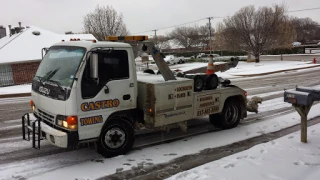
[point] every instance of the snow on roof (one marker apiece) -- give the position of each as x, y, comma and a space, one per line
26, 46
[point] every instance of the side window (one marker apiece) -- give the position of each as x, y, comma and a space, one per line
111, 66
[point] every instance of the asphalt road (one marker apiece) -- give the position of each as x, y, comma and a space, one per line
271, 87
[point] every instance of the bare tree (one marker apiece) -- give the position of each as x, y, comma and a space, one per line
187, 37
204, 35
104, 21
256, 30
306, 29
161, 42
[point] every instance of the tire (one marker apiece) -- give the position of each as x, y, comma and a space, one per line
121, 134
229, 117
212, 81
180, 61
150, 71
158, 72
198, 83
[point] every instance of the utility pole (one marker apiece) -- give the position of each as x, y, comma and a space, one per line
155, 36
210, 33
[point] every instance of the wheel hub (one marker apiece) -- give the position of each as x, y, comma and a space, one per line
114, 138
231, 114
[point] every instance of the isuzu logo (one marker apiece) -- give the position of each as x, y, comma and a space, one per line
44, 90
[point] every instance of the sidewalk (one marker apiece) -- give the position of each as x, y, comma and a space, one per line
241, 71
15, 91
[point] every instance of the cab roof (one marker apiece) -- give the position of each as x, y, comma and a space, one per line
90, 44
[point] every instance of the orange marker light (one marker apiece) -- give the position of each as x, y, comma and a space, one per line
245, 93
94, 41
72, 120
31, 103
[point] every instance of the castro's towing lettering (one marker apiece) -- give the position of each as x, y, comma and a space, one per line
184, 88
174, 114
99, 105
208, 111
91, 120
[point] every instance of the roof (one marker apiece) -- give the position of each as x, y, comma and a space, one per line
26, 46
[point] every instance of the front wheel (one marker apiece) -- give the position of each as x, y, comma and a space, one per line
116, 138
229, 117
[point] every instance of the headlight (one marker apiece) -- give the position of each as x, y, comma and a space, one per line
69, 122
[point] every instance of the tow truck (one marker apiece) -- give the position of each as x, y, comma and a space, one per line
86, 91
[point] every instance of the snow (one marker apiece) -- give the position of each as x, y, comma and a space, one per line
283, 158
26, 46
16, 89
249, 69
63, 165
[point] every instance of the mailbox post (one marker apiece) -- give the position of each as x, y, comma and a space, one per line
302, 99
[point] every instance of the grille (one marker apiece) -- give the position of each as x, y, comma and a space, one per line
45, 116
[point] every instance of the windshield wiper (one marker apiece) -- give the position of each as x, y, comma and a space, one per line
57, 83
39, 78
49, 75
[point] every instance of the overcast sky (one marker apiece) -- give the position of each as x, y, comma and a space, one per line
139, 15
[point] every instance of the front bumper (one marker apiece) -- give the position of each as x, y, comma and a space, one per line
54, 135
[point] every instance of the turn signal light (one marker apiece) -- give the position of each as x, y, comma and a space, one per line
31, 103
72, 120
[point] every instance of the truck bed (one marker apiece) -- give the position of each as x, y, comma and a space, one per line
169, 102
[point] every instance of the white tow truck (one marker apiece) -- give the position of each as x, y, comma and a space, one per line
90, 91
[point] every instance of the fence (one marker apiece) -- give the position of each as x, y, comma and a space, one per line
6, 77
16, 75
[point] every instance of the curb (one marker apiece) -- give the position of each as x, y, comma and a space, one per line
14, 95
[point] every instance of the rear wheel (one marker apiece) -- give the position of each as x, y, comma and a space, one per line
229, 117
212, 81
198, 83
116, 138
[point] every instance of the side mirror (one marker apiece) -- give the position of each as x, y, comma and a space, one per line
94, 66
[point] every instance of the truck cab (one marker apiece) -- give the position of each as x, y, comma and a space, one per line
69, 98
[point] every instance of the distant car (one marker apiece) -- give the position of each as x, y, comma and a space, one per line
171, 59
295, 44
138, 60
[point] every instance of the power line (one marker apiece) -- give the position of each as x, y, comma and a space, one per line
305, 9
177, 25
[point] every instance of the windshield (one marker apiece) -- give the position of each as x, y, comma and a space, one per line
60, 65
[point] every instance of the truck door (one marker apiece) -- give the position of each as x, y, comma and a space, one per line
113, 91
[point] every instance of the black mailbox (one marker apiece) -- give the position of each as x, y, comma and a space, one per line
314, 92
298, 97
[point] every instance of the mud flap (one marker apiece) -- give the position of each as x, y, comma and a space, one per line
33, 128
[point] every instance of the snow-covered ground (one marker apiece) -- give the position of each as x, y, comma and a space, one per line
16, 89
64, 165
283, 158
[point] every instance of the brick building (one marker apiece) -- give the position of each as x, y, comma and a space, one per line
20, 53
